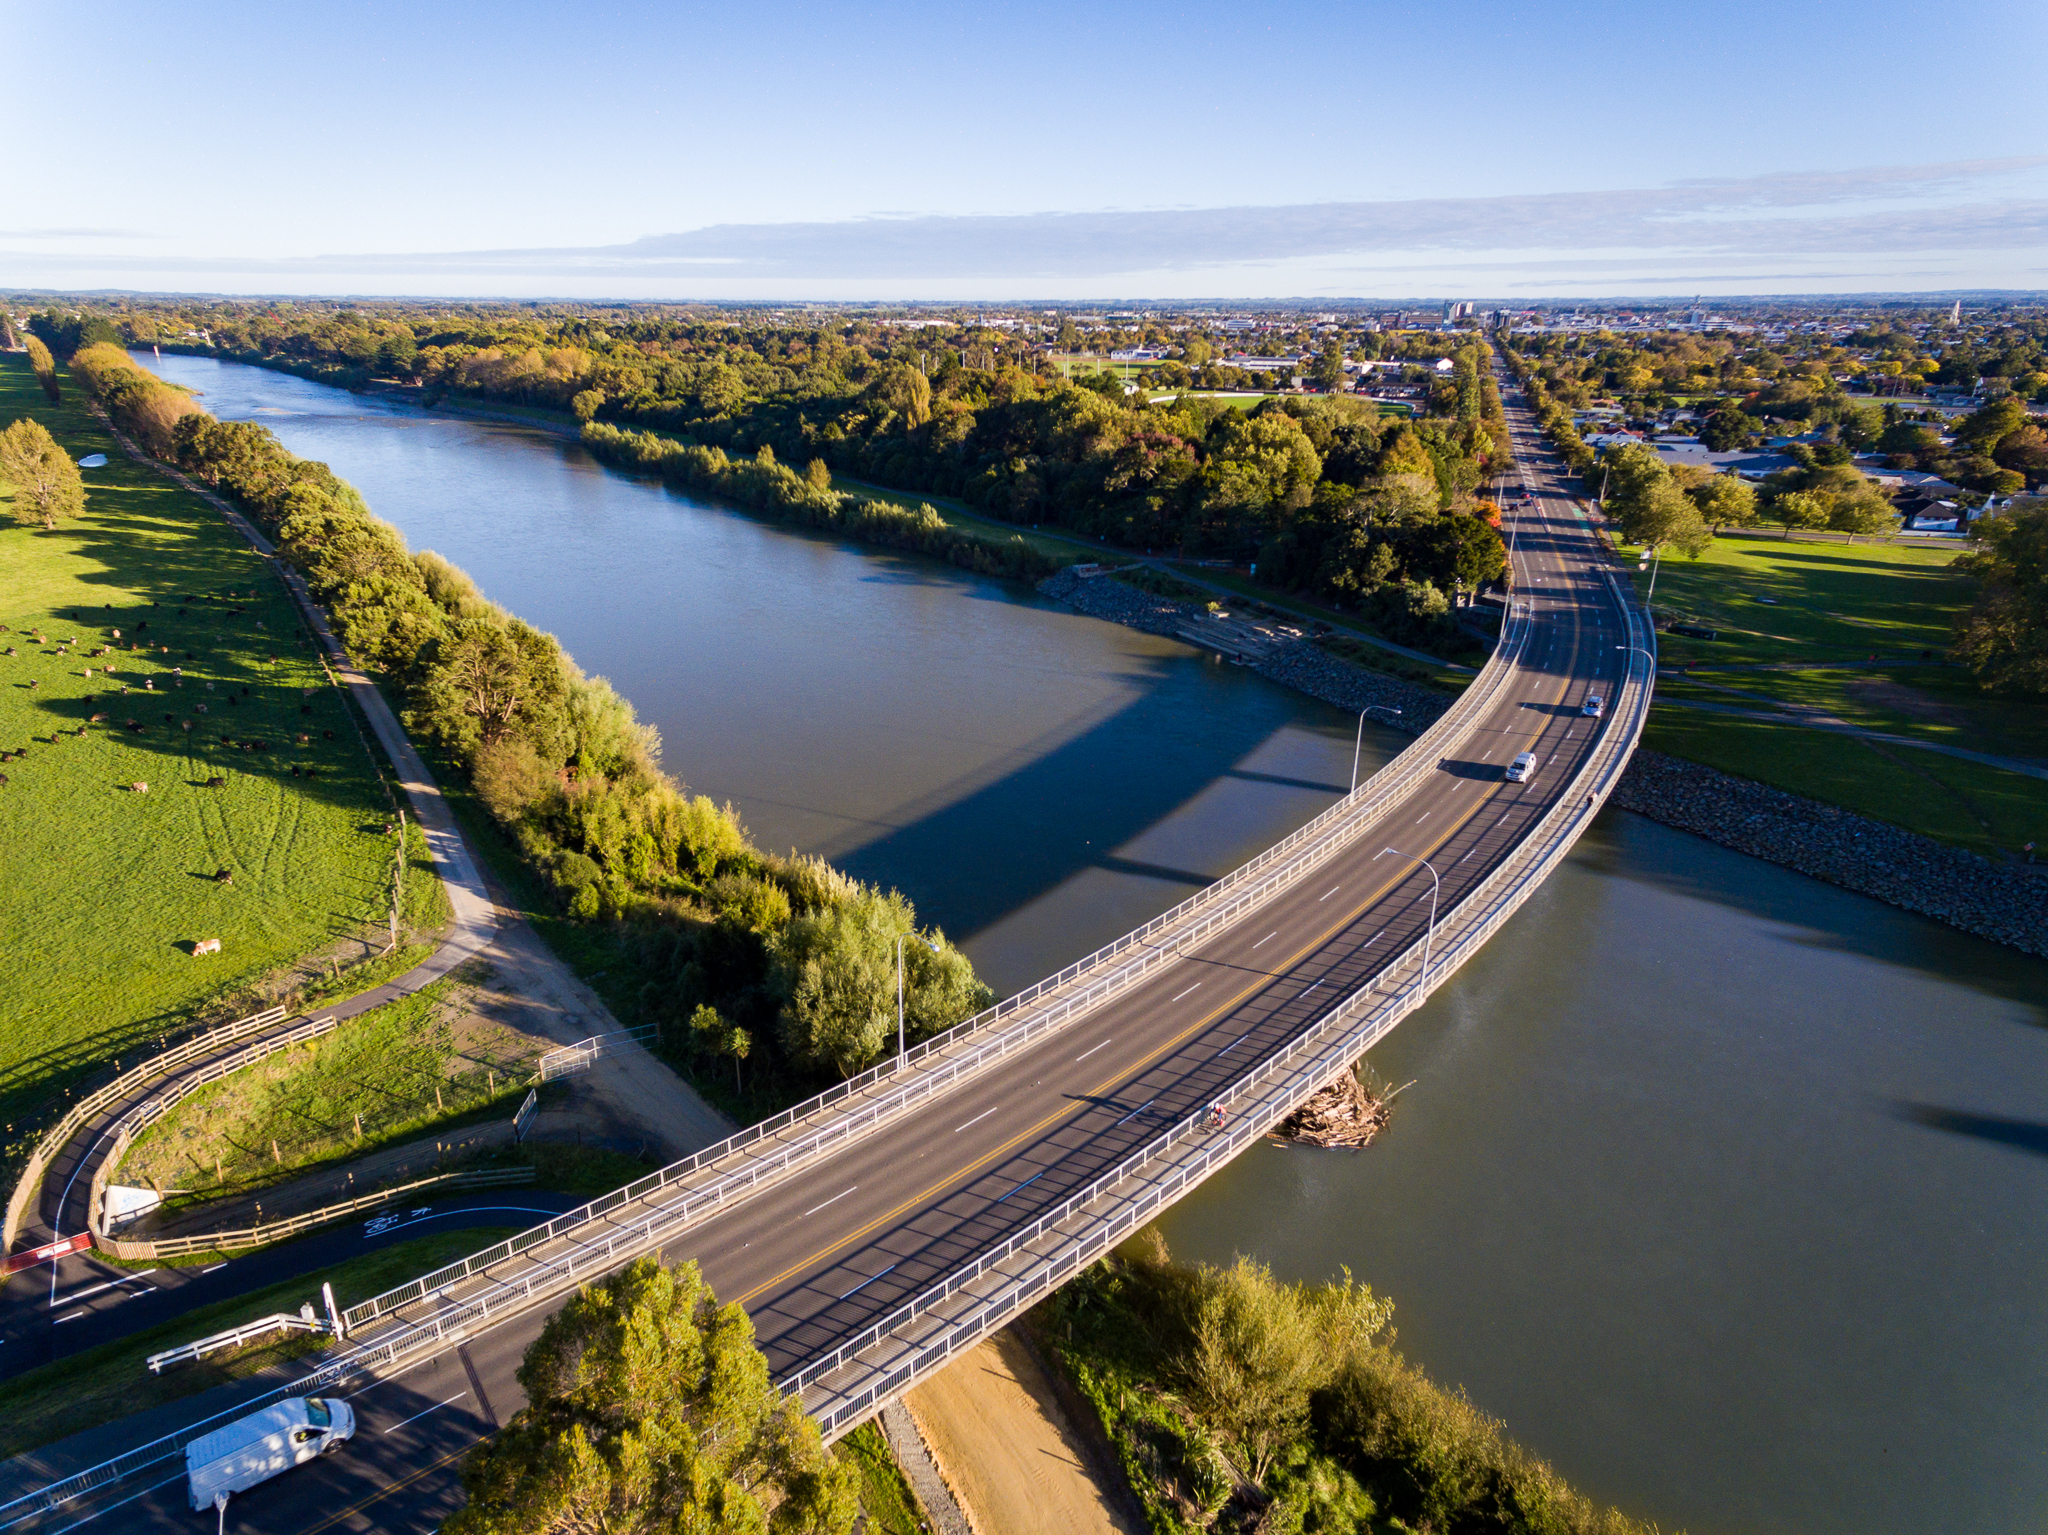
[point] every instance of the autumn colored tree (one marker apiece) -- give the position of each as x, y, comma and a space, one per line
46, 483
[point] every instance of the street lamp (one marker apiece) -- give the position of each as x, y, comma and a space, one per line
1434, 886
899, 990
1358, 745
1644, 654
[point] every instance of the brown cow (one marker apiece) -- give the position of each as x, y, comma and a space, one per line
216, 782
206, 946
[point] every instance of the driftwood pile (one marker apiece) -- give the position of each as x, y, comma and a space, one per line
1345, 1113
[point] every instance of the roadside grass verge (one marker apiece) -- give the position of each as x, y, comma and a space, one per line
99, 1385
109, 889
418, 1064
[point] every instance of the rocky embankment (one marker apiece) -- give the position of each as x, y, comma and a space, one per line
1299, 663
2007, 905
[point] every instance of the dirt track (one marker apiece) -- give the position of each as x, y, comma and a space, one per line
1008, 1451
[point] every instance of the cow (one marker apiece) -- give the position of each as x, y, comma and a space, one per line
216, 782
206, 946
312, 772
224, 877
138, 787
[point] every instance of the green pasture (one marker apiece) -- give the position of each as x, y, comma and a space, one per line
110, 887
1799, 622
1777, 600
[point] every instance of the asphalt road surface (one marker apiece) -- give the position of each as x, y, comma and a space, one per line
822, 1255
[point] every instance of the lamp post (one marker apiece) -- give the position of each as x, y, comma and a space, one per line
1358, 745
1644, 654
900, 1050
1429, 932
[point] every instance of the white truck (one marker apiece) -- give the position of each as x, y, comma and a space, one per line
252, 1450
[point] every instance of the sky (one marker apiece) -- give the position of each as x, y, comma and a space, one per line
1063, 150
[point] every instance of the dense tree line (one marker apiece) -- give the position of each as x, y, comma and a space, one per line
781, 965
1320, 491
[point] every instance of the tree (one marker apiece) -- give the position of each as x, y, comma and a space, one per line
484, 677
836, 968
1328, 370
2003, 638
45, 367
1725, 501
1983, 430
585, 403
1258, 1349
650, 1412
2024, 450
1800, 509
46, 483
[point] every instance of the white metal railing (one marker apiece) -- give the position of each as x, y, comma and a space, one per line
235, 1337
153, 1108
58, 1136
1325, 835
277, 1231
565, 1060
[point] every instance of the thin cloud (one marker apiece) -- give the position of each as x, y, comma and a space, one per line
1846, 218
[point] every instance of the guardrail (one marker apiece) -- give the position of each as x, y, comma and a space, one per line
59, 1135
235, 1337
278, 1231
1322, 834
1290, 1076
148, 1112
566, 1060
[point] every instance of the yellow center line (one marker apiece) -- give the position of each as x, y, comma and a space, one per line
1072, 1108
384, 1492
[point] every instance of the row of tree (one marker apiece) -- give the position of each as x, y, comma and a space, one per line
780, 965
1322, 493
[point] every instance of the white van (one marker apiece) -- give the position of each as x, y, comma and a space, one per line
252, 1450
1520, 769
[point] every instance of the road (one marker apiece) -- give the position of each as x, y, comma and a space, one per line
821, 1255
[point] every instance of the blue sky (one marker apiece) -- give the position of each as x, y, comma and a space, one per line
1000, 151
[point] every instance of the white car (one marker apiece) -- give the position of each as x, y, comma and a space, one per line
1594, 706
1520, 769
252, 1450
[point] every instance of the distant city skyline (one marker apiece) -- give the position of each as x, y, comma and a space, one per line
1060, 152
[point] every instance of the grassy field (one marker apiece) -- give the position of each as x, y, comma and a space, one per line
101, 1384
1856, 633
400, 1071
885, 1497
110, 888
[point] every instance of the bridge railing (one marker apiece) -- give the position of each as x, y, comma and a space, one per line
1225, 900
1265, 1095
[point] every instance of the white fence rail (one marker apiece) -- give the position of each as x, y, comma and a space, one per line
59, 1135
565, 1060
153, 1108
235, 1337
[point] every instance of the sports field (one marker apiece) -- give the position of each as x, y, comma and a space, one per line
110, 886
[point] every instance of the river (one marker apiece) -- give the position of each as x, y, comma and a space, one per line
1723, 1188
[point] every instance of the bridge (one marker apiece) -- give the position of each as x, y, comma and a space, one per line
881, 1229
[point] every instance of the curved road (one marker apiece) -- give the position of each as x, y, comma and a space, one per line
821, 1255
